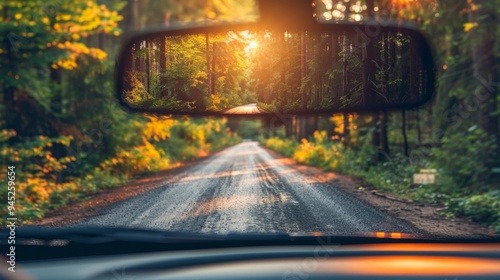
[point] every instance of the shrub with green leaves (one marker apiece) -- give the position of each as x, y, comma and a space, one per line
461, 159
460, 181
283, 146
483, 208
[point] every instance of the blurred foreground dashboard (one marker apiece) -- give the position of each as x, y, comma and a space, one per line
368, 261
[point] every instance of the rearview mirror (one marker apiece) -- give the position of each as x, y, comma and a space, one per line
251, 70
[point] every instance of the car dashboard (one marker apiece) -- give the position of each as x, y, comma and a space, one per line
367, 261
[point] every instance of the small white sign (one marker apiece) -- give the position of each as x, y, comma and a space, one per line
424, 178
433, 171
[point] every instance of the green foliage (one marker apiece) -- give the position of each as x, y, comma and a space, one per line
320, 152
483, 208
48, 33
462, 156
286, 147
184, 83
359, 158
248, 129
61, 126
44, 181
194, 138
394, 174
35, 155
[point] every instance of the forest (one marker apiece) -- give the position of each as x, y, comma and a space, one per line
61, 126
200, 72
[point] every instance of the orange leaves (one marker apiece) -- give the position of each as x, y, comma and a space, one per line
75, 50
85, 19
320, 152
98, 54
137, 160
62, 23
473, 7
39, 168
36, 155
36, 190
98, 18
158, 129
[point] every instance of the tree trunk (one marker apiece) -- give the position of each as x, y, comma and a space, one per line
369, 69
483, 55
315, 124
376, 131
345, 67
347, 129
148, 67
383, 133
303, 66
419, 132
101, 41
213, 72
370, 6
56, 78
302, 127
163, 66
405, 137
414, 75
209, 72
136, 12
9, 115
288, 129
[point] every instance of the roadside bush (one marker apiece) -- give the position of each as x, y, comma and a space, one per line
249, 129
359, 159
461, 159
152, 144
320, 153
188, 139
283, 146
35, 155
483, 208
394, 175
137, 161
459, 184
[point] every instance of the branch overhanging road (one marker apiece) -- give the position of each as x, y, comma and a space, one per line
245, 189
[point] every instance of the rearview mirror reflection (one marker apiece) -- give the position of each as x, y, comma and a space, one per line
254, 72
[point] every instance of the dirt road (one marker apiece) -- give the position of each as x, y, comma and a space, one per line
245, 189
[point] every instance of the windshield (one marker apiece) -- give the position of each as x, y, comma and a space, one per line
71, 156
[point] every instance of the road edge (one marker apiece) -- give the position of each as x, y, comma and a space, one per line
424, 217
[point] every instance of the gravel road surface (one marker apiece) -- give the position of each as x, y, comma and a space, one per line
244, 189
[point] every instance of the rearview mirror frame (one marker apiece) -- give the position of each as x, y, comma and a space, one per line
363, 30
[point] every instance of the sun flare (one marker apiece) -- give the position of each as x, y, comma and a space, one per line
253, 45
